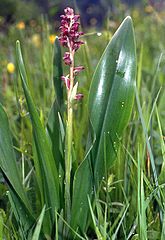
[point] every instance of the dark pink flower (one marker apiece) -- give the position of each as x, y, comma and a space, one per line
79, 96
67, 59
78, 69
76, 17
77, 44
69, 12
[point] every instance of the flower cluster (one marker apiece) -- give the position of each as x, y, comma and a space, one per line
69, 38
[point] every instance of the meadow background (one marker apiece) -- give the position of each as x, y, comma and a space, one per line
36, 25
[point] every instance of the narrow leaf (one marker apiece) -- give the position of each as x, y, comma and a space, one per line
39, 225
47, 163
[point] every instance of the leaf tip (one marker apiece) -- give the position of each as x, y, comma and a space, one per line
56, 40
17, 46
17, 42
128, 20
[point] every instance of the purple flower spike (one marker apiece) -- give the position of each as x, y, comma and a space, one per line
69, 36
79, 96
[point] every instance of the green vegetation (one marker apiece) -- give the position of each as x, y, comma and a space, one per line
118, 162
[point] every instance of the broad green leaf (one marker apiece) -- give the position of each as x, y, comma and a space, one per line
48, 169
110, 104
58, 72
8, 162
111, 96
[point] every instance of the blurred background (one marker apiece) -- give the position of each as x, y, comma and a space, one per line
94, 11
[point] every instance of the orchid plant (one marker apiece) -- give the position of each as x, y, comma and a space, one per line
69, 38
67, 195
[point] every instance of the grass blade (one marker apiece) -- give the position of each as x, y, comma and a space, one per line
39, 225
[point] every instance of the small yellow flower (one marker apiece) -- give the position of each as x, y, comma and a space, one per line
52, 38
20, 25
10, 68
36, 40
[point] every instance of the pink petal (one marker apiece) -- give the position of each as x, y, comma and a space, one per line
78, 69
79, 96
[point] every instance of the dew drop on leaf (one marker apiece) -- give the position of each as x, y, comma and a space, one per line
122, 104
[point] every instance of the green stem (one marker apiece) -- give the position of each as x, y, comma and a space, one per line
68, 163
69, 136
